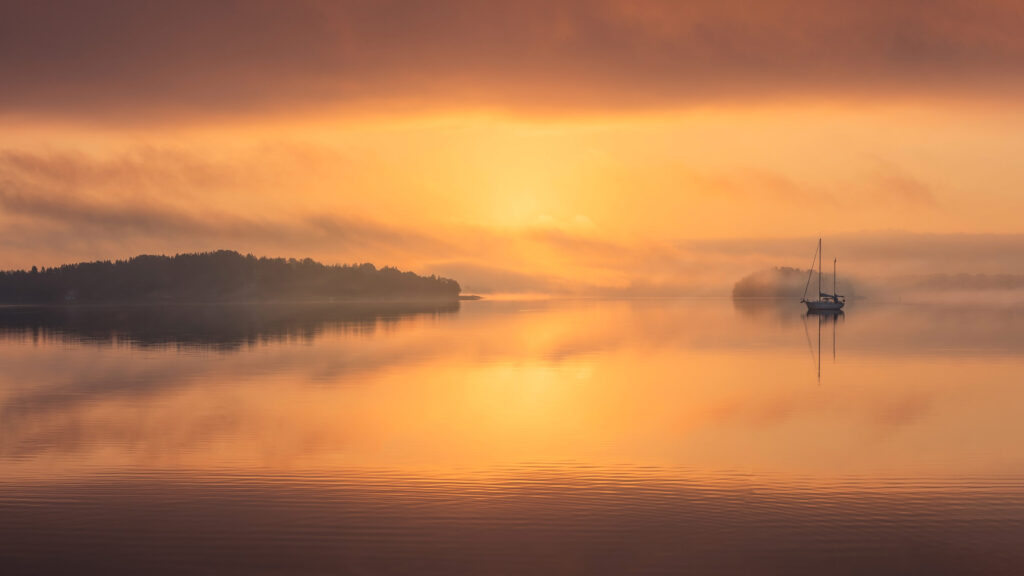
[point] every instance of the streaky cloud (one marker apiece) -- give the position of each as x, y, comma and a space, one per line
163, 60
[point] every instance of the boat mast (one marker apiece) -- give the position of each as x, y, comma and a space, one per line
810, 273
819, 268
834, 279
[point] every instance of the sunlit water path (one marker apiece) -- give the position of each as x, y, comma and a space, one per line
571, 437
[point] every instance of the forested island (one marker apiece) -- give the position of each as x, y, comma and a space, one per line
786, 282
779, 282
217, 277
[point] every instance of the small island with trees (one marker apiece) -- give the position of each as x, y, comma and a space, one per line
783, 282
221, 276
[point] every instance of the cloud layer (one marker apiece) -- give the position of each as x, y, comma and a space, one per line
149, 60
61, 207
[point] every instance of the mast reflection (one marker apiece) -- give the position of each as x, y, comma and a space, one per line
826, 317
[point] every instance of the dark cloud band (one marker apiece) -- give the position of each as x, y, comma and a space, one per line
149, 60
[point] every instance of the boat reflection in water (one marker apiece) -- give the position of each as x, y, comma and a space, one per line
825, 317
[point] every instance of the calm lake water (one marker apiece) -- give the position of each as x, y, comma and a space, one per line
548, 437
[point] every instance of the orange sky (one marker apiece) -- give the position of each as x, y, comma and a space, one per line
630, 147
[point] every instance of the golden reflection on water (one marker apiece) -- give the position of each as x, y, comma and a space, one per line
700, 385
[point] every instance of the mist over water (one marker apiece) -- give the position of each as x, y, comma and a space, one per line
705, 436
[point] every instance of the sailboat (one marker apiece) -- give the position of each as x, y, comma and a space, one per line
825, 302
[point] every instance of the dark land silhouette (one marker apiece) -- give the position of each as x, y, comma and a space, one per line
221, 276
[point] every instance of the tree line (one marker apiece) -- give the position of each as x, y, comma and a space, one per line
216, 276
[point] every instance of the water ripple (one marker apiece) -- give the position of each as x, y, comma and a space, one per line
512, 520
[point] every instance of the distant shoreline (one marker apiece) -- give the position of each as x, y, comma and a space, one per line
220, 277
236, 302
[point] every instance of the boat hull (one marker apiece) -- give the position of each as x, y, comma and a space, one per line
823, 306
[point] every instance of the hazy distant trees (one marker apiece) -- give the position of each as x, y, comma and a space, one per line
217, 276
779, 282
784, 282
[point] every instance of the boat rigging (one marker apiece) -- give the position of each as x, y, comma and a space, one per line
825, 302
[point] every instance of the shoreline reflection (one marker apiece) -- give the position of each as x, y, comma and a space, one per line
214, 326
